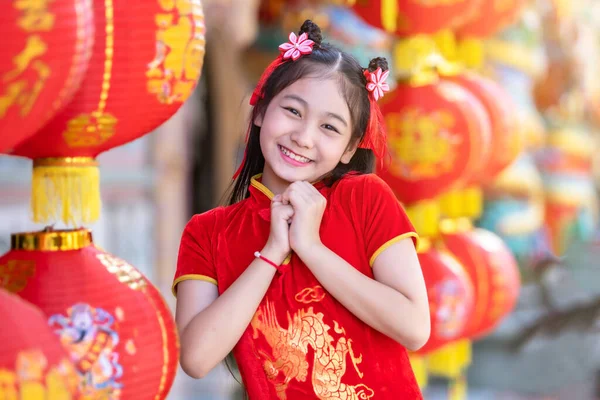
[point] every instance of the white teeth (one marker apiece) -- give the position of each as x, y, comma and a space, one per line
294, 156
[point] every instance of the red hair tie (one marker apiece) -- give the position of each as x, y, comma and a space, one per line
375, 137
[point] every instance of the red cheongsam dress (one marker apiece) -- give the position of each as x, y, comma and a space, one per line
302, 343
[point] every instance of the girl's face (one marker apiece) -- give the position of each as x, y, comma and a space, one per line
305, 133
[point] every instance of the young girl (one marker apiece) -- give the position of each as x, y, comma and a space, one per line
310, 274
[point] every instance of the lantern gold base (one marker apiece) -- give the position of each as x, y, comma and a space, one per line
451, 361
51, 240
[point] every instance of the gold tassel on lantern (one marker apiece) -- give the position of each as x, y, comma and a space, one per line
67, 189
452, 361
419, 366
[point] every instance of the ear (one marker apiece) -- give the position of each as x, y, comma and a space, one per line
258, 120
349, 153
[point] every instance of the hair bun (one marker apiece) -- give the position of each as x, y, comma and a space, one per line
378, 62
312, 30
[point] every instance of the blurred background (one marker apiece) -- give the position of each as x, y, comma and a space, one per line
528, 171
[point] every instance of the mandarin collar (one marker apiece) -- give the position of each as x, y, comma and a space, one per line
262, 196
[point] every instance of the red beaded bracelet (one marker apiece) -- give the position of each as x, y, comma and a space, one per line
265, 259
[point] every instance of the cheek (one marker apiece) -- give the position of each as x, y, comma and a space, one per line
334, 149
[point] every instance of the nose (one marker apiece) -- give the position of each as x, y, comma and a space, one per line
303, 137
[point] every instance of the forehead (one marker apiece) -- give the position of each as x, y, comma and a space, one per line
323, 94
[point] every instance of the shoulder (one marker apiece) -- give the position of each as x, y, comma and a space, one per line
365, 184
209, 221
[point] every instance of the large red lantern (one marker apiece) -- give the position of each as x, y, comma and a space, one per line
438, 134
45, 53
146, 61
33, 364
489, 17
494, 273
119, 333
410, 17
450, 295
506, 138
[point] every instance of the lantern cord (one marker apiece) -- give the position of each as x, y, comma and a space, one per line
65, 189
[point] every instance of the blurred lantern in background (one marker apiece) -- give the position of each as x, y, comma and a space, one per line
450, 294
114, 324
438, 135
33, 364
493, 271
506, 138
45, 52
146, 61
514, 210
411, 17
490, 17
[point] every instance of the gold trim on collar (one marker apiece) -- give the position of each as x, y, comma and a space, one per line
49, 240
260, 187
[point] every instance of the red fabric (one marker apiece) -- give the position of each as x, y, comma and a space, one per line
300, 334
375, 136
258, 90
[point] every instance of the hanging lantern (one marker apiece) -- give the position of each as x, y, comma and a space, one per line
506, 143
112, 321
489, 17
437, 137
411, 17
45, 53
450, 294
493, 271
33, 364
146, 61
506, 139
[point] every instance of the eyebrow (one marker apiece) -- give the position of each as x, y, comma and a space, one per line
305, 104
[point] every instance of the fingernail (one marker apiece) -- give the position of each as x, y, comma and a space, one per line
277, 197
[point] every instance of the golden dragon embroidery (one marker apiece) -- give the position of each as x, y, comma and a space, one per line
289, 354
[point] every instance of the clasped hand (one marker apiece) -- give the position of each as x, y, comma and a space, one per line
296, 217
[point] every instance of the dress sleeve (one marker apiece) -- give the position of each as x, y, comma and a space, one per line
195, 259
384, 220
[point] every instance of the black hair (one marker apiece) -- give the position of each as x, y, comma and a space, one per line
325, 60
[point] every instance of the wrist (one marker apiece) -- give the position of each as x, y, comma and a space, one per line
307, 250
274, 254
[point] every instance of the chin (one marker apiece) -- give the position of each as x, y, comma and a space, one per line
292, 176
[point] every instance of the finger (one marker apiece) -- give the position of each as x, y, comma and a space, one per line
277, 198
285, 197
298, 198
284, 212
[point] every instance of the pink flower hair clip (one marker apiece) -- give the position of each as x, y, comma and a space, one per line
296, 47
376, 82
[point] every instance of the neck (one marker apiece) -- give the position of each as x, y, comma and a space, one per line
274, 183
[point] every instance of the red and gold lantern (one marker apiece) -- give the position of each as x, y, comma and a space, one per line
411, 17
45, 54
112, 321
450, 295
506, 139
493, 271
489, 17
33, 364
438, 134
146, 61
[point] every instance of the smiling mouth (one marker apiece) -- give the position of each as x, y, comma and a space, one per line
294, 156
